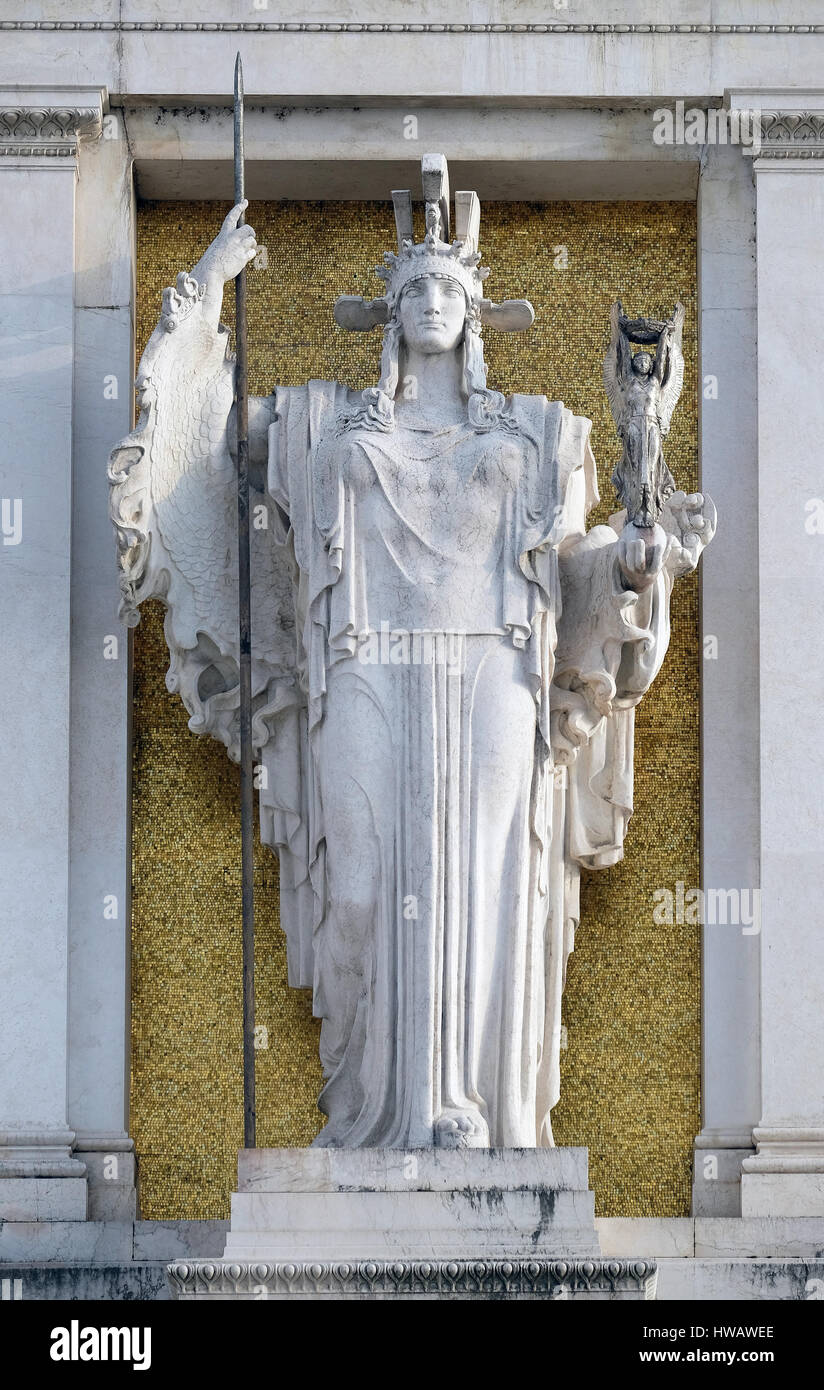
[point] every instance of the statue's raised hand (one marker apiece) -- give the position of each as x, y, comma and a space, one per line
642, 551
232, 249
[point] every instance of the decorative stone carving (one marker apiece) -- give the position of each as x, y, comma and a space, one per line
791, 135
471, 1279
46, 131
445, 669
368, 27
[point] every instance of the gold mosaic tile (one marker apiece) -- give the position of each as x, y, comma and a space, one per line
632, 1008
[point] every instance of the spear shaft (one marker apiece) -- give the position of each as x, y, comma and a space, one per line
245, 645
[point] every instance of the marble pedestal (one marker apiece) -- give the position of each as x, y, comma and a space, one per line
375, 1223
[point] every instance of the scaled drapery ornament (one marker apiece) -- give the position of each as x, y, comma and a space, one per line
445, 668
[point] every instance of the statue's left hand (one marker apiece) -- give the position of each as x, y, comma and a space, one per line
642, 551
695, 516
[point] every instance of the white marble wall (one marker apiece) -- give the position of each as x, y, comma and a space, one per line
386, 48
99, 1004
786, 1176
728, 575
38, 1176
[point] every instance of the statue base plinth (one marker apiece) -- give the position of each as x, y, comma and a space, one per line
388, 1223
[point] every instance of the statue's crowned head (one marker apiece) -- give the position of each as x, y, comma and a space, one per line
456, 263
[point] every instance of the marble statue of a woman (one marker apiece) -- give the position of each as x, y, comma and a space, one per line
446, 665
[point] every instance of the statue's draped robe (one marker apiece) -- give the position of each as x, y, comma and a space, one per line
431, 815
468, 662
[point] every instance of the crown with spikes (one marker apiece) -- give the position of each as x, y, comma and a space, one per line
435, 255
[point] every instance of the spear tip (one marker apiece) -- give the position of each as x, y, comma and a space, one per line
238, 78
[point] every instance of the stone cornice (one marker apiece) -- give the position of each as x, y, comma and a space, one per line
48, 123
329, 27
792, 135
47, 131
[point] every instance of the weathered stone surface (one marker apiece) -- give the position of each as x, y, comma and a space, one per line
425, 1170
703, 1280
168, 1240
125, 1282
32, 1198
370, 1204
108, 1242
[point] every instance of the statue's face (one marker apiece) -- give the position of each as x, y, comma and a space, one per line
432, 313
642, 364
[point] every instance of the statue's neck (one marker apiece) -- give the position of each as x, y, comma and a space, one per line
430, 389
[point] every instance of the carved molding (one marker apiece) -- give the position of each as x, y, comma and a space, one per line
792, 135
39, 1153
50, 132
513, 1278
327, 27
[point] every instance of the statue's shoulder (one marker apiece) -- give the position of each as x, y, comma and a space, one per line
551, 420
319, 401
314, 389
562, 441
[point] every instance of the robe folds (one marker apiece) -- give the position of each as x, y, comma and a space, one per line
458, 745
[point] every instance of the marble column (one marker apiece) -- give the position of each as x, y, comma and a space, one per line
785, 1177
99, 1003
728, 575
40, 1179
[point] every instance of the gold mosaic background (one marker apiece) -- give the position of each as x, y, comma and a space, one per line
631, 1068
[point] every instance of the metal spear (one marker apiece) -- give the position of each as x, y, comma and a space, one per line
245, 635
